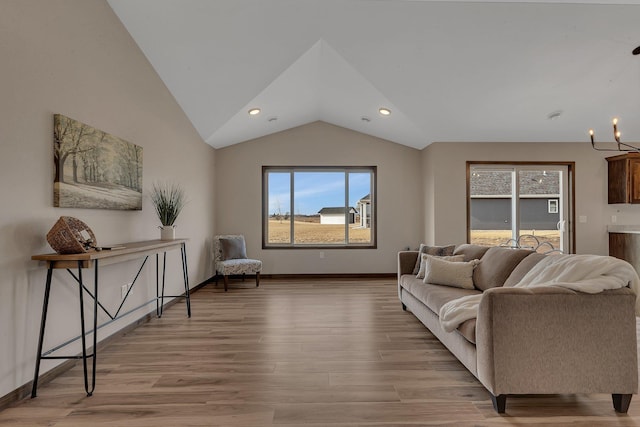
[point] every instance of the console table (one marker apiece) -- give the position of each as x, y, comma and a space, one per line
91, 260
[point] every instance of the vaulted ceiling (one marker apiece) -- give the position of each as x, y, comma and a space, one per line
476, 71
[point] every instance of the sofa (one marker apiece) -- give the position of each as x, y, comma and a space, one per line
537, 340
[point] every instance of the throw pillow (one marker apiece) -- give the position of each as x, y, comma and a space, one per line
448, 273
432, 250
232, 248
452, 258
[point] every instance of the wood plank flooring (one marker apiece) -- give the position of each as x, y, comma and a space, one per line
291, 353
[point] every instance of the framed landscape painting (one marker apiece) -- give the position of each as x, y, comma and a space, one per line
94, 169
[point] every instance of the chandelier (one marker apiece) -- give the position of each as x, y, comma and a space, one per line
621, 146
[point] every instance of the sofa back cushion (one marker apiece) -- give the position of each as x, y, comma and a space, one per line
496, 265
470, 251
523, 268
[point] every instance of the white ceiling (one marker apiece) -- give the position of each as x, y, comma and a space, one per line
448, 70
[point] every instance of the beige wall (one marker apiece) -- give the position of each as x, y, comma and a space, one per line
239, 195
75, 58
444, 177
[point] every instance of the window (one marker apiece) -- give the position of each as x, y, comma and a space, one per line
310, 207
522, 204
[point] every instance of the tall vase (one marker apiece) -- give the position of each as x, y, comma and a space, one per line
167, 232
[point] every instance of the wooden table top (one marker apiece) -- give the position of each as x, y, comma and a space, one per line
120, 253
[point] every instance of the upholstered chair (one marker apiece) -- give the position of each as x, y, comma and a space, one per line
230, 258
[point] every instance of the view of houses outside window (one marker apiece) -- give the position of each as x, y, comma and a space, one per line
311, 206
532, 194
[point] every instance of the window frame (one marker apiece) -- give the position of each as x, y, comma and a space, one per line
372, 244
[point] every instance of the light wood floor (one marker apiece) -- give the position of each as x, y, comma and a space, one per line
291, 353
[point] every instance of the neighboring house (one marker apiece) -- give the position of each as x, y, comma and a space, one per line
491, 201
336, 215
364, 208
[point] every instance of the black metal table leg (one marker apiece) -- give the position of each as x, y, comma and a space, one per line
88, 389
95, 327
83, 329
157, 288
43, 322
185, 274
164, 270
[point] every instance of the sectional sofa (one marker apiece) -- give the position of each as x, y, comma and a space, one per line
547, 339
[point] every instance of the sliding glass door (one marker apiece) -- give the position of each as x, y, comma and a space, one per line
520, 205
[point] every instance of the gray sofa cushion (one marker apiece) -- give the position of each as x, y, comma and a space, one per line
496, 265
471, 251
523, 268
433, 296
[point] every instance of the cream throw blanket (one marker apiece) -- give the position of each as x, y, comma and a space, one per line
583, 273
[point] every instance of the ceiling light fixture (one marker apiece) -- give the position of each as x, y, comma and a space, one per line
384, 111
616, 135
254, 111
621, 146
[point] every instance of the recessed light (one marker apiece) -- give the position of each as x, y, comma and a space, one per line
254, 111
384, 111
636, 51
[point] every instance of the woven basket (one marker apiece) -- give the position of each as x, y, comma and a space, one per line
65, 236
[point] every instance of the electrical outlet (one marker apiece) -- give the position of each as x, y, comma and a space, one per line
321, 255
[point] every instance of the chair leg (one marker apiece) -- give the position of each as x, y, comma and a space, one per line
216, 278
257, 279
226, 282
243, 276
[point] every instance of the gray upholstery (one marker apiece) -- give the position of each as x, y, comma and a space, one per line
543, 340
470, 251
496, 265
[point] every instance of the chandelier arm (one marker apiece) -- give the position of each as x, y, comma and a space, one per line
630, 147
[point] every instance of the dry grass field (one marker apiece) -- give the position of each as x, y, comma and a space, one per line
313, 232
499, 237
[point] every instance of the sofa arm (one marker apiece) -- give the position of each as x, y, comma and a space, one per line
554, 340
406, 262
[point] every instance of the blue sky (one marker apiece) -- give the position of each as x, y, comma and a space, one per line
315, 190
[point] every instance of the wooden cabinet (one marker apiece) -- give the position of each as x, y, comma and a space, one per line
624, 178
625, 246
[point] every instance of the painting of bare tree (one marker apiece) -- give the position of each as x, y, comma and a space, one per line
94, 169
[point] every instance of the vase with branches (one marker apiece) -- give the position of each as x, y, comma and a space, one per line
168, 200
